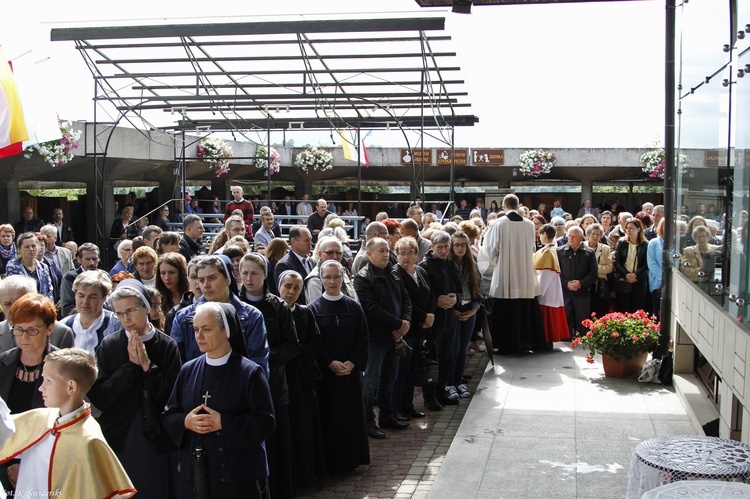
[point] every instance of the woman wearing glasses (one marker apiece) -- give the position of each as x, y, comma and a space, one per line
631, 265
342, 357
138, 367
32, 319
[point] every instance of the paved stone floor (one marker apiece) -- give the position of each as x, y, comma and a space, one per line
543, 425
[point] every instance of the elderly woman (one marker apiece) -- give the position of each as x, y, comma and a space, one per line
7, 246
220, 412
138, 367
26, 263
124, 252
687, 239
171, 280
632, 266
302, 374
327, 248
123, 228
344, 337
417, 285
599, 303
91, 322
33, 319
698, 262
283, 347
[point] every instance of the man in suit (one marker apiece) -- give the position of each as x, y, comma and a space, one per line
28, 223
11, 289
300, 242
481, 208
304, 208
578, 272
587, 209
61, 257
88, 259
284, 210
64, 231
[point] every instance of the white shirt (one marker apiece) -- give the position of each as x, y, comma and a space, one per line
87, 338
33, 471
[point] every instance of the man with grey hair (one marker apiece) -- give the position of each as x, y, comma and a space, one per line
88, 259
328, 248
578, 272
92, 322
507, 253
192, 227
61, 257
409, 228
657, 215
11, 289
374, 229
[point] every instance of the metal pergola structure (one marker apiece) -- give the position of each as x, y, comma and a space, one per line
248, 78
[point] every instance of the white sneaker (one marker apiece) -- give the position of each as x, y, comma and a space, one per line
463, 391
451, 393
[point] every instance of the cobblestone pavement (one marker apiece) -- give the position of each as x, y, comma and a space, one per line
405, 464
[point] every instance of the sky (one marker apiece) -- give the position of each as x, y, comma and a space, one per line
550, 76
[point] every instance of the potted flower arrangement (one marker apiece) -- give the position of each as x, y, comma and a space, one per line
536, 162
262, 156
623, 339
57, 152
315, 158
654, 160
216, 153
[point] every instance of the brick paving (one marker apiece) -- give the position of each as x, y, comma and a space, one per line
405, 464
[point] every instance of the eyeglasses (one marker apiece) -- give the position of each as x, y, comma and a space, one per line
410, 253
331, 277
336, 253
127, 313
31, 331
460, 245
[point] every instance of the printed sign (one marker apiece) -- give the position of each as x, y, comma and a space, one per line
481, 157
406, 156
460, 155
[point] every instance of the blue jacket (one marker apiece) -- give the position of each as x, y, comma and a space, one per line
653, 257
253, 329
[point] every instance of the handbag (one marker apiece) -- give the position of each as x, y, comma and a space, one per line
602, 288
150, 416
621, 285
424, 370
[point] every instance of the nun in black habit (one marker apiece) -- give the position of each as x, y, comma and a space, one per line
342, 356
138, 366
220, 412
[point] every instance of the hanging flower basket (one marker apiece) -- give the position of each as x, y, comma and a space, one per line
655, 159
57, 152
216, 153
261, 154
536, 162
315, 158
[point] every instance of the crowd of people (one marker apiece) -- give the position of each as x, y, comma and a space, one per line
257, 365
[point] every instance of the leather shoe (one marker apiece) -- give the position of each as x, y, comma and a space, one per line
413, 413
393, 422
375, 432
401, 416
433, 405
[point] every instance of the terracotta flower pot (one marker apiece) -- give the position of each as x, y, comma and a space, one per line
624, 367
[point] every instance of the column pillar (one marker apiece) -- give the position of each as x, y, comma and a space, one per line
220, 187
10, 210
587, 192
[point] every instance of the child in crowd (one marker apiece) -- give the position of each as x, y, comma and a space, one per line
62, 450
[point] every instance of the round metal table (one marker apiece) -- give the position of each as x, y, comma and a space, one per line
673, 458
700, 489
